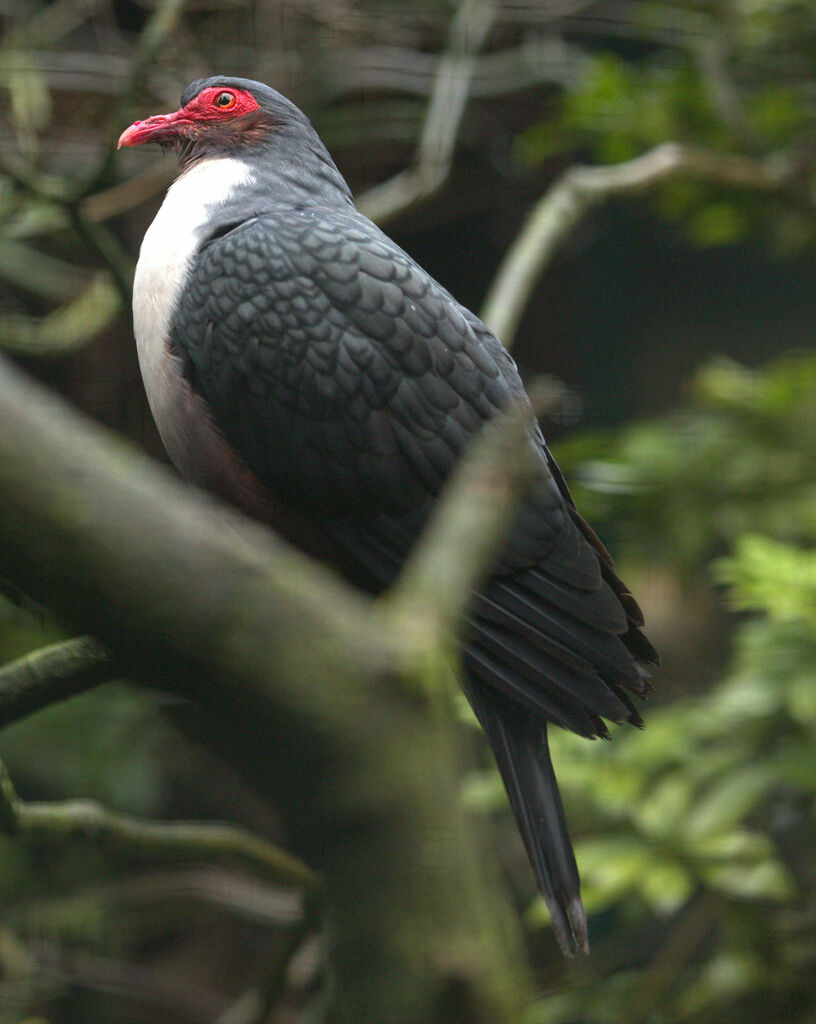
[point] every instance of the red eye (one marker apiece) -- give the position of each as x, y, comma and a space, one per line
224, 100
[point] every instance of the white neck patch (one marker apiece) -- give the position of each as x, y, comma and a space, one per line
171, 242
167, 252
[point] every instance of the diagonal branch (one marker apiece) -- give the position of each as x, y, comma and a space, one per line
582, 188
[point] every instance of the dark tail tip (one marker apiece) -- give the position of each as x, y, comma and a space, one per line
570, 926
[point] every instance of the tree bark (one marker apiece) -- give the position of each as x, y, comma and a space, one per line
296, 672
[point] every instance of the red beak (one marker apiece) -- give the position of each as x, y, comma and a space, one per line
160, 128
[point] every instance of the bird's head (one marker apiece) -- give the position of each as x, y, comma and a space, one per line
236, 117
217, 115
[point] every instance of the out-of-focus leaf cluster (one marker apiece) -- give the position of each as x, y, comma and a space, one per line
730, 77
695, 837
738, 461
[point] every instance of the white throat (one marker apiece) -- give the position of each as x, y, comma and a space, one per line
170, 244
167, 253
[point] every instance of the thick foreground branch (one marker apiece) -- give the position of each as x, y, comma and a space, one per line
295, 671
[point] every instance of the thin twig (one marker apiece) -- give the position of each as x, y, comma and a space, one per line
52, 674
434, 155
149, 989
71, 818
101, 239
582, 188
669, 960
154, 36
711, 53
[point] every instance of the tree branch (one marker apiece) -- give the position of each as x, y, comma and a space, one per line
432, 163
582, 188
294, 669
52, 674
68, 326
152, 39
548, 59
209, 840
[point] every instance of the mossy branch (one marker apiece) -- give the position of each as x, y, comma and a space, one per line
191, 839
581, 188
295, 671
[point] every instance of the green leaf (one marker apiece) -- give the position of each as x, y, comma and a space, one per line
768, 880
719, 223
728, 802
777, 578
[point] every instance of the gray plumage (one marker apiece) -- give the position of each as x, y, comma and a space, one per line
346, 382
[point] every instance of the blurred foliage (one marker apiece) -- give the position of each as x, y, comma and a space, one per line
739, 461
732, 77
697, 836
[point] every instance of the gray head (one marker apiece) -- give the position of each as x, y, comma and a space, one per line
225, 116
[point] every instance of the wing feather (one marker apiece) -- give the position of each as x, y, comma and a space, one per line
350, 382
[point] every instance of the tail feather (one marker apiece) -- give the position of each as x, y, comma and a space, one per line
523, 757
553, 637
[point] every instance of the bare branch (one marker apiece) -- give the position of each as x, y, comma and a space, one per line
154, 36
51, 674
48, 277
67, 327
432, 163
294, 669
548, 59
209, 840
582, 188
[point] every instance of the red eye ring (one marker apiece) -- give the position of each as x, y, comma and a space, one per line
224, 101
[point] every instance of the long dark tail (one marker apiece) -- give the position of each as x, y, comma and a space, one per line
519, 744
558, 641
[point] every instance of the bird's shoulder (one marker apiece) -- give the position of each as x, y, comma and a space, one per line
328, 277
316, 339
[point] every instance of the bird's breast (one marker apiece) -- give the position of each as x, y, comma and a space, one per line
165, 260
192, 440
